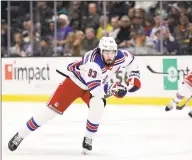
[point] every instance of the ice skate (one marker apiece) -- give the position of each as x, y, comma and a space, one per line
190, 114
170, 106
14, 142
87, 145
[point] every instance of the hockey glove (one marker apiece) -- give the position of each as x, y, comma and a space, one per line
115, 89
133, 82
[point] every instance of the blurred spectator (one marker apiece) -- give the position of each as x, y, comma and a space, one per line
119, 9
69, 44
182, 33
124, 33
73, 45
62, 33
101, 30
61, 9
172, 22
44, 13
156, 27
131, 24
19, 11
131, 13
30, 47
17, 49
47, 42
115, 25
175, 12
90, 41
148, 26
75, 15
4, 10
145, 5
30, 30
46, 48
138, 21
190, 46
169, 46
3, 38
92, 20
137, 40
50, 32
77, 45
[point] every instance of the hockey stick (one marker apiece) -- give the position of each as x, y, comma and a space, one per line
62, 73
181, 107
164, 73
151, 70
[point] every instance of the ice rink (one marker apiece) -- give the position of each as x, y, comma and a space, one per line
125, 133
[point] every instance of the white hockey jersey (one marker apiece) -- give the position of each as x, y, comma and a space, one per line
91, 73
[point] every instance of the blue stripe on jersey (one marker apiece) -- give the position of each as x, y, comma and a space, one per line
73, 68
134, 73
99, 81
77, 75
120, 58
119, 62
94, 53
93, 84
132, 60
120, 55
96, 57
93, 87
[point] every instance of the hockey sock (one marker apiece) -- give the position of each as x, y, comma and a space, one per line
94, 116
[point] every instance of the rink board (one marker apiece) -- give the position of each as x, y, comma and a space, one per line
113, 100
35, 79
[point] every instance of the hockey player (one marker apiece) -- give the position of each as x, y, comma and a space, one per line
184, 91
87, 79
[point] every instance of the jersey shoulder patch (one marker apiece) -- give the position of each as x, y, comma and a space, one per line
96, 57
120, 58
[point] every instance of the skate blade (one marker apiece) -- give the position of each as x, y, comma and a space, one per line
84, 151
168, 108
190, 114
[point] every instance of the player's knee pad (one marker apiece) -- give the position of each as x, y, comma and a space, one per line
44, 115
97, 103
185, 89
104, 101
96, 109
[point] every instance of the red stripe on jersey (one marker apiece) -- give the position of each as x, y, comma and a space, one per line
74, 64
119, 60
93, 84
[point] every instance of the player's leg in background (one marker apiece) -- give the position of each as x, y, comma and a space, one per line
96, 109
189, 81
184, 91
58, 103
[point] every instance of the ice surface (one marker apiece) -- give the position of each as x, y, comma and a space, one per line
125, 133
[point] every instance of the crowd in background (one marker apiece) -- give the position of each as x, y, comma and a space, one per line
77, 26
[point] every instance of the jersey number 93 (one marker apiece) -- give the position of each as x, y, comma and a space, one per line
92, 73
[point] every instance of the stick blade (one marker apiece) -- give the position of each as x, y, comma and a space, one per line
180, 107
151, 70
